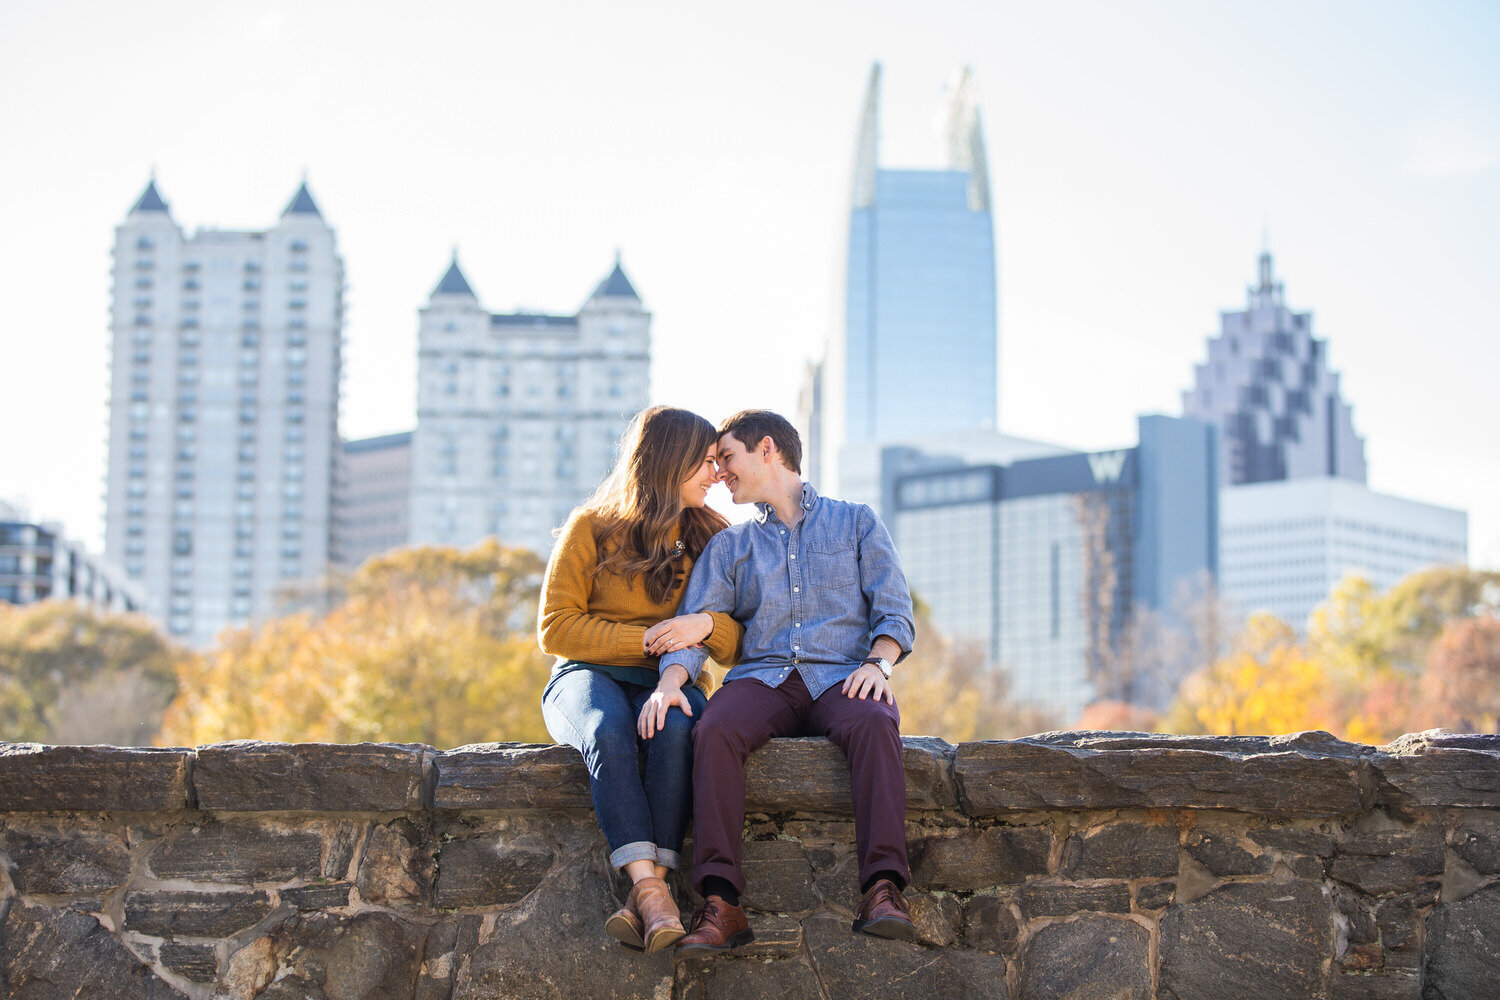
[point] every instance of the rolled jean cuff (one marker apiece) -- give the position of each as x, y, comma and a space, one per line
668, 859
640, 850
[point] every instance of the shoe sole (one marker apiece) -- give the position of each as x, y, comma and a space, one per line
664, 938
887, 927
624, 931
705, 950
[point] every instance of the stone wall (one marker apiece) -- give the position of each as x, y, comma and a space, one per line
1072, 865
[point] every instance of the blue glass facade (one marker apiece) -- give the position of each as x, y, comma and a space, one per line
920, 328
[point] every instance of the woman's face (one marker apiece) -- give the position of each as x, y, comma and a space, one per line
695, 487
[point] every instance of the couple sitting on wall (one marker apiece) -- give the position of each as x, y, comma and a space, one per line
806, 599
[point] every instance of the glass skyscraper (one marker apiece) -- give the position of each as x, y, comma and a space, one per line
916, 355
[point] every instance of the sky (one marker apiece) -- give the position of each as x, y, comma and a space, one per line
1140, 154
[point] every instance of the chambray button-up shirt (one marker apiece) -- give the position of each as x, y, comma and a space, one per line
813, 597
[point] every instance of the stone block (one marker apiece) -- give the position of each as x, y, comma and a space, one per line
1439, 769
46, 954
317, 896
1480, 848
778, 877
1421, 845
254, 776
857, 965
839, 885
979, 859
775, 936
1221, 854
1309, 774
447, 940
371, 956
486, 871
1295, 841
489, 776
1122, 850
738, 979
1092, 958
53, 860
166, 913
1041, 899
1375, 876
1358, 914
1462, 953
990, 924
235, 852
937, 918
812, 775
1400, 984
1154, 895
39, 778
1268, 940
1398, 917
397, 865
196, 962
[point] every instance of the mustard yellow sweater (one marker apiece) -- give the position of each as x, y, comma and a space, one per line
604, 619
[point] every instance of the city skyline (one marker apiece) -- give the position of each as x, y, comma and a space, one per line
1135, 158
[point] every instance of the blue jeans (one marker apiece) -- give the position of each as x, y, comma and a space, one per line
645, 816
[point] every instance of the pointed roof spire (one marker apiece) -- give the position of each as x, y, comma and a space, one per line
454, 282
966, 137
616, 284
867, 146
302, 202
150, 199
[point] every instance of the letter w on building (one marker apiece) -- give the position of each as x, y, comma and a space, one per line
1107, 465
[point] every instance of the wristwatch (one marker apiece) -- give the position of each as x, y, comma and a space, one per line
882, 663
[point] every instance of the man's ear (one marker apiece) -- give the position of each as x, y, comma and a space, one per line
767, 448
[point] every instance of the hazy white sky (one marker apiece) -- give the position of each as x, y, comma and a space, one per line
1137, 153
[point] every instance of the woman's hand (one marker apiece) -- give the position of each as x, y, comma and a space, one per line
678, 633
653, 717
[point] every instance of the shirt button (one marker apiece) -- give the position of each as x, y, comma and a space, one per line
797, 647
796, 624
794, 555
796, 590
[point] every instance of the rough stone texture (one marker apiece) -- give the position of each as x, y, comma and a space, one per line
1154, 895
811, 775
1222, 855
48, 954
397, 864
1092, 958
737, 979
973, 859
194, 914
1436, 769
1309, 774
51, 860
778, 877
1059, 900
485, 871
1463, 948
371, 956
1297, 841
937, 918
857, 965
1122, 850
510, 776
775, 936
236, 852
1481, 849
251, 776
39, 778
1246, 940
1386, 985
990, 924
190, 961
317, 897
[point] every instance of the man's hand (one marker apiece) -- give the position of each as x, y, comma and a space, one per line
678, 633
868, 682
653, 717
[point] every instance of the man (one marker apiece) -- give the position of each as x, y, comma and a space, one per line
826, 611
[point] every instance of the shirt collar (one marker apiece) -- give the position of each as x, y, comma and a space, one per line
765, 511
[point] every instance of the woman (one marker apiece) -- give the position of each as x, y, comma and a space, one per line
608, 611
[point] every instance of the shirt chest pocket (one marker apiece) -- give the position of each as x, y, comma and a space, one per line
832, 565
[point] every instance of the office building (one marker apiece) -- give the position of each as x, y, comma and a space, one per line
1284, 545
1267, 386
38, 562
373, 513
1042, 563
519, 415
224, 403
915, 355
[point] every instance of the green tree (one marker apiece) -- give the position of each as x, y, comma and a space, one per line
69, 674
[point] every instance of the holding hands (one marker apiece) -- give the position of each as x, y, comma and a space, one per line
678, 633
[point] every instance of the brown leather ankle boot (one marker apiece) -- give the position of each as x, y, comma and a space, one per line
661, 923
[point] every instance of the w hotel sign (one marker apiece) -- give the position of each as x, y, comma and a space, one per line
1080, 472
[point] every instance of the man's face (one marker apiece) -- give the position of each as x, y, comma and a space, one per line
741, 469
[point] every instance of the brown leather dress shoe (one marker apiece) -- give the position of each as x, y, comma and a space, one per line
661, 925
717, 927
883, 913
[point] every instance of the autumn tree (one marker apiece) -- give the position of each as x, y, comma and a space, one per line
1461, 689
70, 674
426, 645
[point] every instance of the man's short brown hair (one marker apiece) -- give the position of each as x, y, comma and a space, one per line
751, 426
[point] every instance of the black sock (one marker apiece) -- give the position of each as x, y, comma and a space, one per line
713, 885
887, 874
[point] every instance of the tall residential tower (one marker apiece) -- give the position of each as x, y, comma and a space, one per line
223, 417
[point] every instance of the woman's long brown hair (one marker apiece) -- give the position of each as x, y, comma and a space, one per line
641, 502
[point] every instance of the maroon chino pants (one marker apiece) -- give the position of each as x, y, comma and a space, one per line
742, 716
